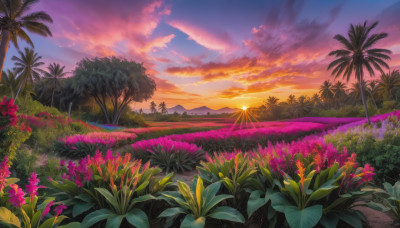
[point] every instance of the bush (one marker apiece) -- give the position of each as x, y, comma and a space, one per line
132, 120
377, 144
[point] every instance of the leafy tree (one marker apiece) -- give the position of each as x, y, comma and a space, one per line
153, 107
27, 68
113, 80
357, 54
273, 107
140, 111
15, 19
291, 99
53, 78
339, 91
303, 106
10, 82
326, 92
389, 85
162, 107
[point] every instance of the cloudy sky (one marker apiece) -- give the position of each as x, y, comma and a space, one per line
214, 52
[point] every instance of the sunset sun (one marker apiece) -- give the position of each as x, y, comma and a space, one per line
244, 108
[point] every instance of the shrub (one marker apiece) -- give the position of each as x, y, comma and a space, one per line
110, 188
198, 204
132, 120
377, 144
167, 154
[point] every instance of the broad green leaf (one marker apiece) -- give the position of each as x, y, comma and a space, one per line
350, 218
96, 216
143, 198
192, 222
49, 223
108, 196
137, 218
114, 221
329, 220
71, 225
6, 216
227, 213
216, 200
11, 181
305, 218
255, 202
80, 208
170, 212
211, 191
321, 192
279, 202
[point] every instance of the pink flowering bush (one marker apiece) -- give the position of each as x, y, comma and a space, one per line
79, 146
168, 154
302, 183
230, 139
18, 206
110, 186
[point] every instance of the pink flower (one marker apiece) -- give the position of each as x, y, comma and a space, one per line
4, 173
59, 209
47, 209
32, 187
16, 195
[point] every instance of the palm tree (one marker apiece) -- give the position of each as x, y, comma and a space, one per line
153, 107
303, 106
326, 91
389, 85
27, 68
162, 107
15, 19
339, 91
291, 99
53, 78
272, 106
10, 82
357, 53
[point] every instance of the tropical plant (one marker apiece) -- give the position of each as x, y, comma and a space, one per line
162, 107
303, 107
389, 85
153, 107
27, 67
115, 80
326, 91
357, 54
111, 188
392, 199
53, 78
10, 82
339, 91
15, 19
198, 204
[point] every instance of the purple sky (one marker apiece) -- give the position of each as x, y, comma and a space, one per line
215, 53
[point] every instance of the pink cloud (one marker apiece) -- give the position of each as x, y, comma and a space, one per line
219, 41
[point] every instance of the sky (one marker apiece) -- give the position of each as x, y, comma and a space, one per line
217, 53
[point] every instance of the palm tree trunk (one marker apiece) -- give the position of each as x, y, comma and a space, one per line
364, 101
5, 40
69, 109
52, 98
19, 88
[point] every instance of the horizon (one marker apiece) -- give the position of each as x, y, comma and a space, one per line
199, 56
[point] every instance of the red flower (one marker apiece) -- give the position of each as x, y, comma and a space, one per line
4, 173
16, 196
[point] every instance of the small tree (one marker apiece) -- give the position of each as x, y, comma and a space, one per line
153, 107
114, 81
163, 108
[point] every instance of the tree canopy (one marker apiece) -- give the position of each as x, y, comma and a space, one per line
113, 81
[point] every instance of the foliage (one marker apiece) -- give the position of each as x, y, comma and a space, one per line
114, 80
198, 204
392, 197
375, 144
167, 154
110, 188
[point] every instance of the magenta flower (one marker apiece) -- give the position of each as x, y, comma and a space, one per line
58, 210
16, 196
4, 173
47, 209
32, 187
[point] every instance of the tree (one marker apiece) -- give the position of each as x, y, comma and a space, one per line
389, 85
14, 19
326, 92
357, 54
53, 78
27, 68
115, 81
10, 82
162, 107
339, 93
153, 107
303, 106
291, 99
272, 106
141, 111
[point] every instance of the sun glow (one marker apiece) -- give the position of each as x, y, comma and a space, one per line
244, 108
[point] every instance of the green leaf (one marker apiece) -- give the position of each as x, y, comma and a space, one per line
321, 192
350, 218
137, 218
227, 213
71, 225
305, 218
216, 200
329, 220
192, 222
279, 202
96, 216
11, 181
255, 202
6, 216
170, 212
108, 196
114, 221
143, 198
79, 208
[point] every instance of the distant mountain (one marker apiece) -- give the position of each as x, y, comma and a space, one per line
203, 110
